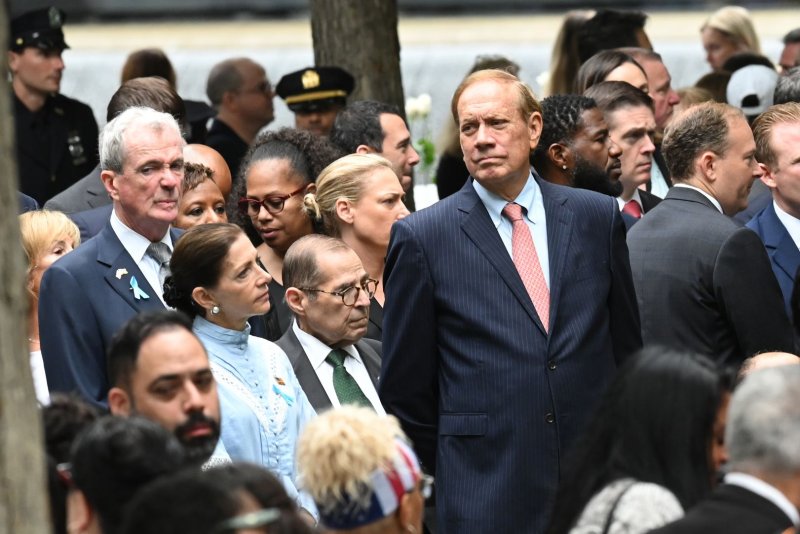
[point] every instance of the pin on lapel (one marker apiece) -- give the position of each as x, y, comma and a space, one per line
121, 273
137, 292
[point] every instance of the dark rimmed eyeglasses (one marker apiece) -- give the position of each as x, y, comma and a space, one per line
349, 295
260, 518
273, 203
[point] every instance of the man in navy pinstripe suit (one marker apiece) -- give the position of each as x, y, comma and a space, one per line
490, 396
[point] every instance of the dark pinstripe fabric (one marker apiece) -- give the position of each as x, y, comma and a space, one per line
704, 283
489, 400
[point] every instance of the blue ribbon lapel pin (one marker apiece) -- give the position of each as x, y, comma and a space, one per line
137, 291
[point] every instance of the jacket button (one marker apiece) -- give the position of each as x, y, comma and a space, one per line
549, 418
551, 365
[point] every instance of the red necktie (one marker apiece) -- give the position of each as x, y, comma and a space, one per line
527, 263
633, 209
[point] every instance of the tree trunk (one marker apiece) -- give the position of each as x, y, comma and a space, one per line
361, 37
23, 504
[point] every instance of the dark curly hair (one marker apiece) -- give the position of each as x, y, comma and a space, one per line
197, 261
306, 153
561, 117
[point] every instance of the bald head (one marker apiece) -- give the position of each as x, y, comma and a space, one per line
213, 160
765, 360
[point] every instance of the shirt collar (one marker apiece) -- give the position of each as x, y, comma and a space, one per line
316, 350
136, 244
709, 197
765, 490
495, 204
636, 196
791, 223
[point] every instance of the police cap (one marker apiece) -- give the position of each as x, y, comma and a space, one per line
40, 28
315, 88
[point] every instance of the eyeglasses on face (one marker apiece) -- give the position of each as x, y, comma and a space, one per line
349, 295
273, 203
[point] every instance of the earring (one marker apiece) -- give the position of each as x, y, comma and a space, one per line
215, 310
564, 167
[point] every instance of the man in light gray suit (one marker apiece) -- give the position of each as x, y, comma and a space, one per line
703, 282
329, 294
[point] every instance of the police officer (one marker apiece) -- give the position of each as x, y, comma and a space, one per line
316, 95
56, 135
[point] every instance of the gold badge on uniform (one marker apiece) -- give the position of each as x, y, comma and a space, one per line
310, 79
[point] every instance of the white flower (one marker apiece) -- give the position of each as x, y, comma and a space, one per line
424, 104
412, 107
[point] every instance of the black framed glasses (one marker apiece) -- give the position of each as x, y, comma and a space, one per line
273, 204
349, 295
260, 518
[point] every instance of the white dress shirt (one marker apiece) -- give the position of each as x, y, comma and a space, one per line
709, 197
317, 351
136, 245
658, 184
636, 196
530, 198
768, 491
791, 224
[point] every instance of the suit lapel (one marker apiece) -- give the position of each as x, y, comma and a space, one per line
478, 226
559, 233
779, 243
120, 270
371, 361
306, 374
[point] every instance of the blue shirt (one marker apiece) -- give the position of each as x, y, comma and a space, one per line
263, 408
530, 199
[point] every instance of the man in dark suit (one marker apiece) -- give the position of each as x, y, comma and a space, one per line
503, 329
777, 135
119, 272
241, 95
703, 282
629, 113
761, 493
329, 293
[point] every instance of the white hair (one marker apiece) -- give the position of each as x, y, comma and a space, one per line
763, 428
112, 143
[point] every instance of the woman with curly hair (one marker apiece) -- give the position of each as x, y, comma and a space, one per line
274, 176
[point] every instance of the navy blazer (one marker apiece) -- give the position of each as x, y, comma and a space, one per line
781, 249
491, 401
91, 222
85, 298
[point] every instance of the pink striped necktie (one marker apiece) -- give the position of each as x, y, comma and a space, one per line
527, 263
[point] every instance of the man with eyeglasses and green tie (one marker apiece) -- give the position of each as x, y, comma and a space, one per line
329, 292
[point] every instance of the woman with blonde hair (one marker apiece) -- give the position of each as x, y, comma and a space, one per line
46, 237
361, 472
358, 198
728, 31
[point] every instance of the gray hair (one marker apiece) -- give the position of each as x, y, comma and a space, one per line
225, 76
764, 422
112, 137
788, 87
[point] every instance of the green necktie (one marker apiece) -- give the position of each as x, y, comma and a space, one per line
346, 387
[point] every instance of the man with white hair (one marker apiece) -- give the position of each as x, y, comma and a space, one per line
119, 272
761, 492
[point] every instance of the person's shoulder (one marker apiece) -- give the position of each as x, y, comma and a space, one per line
575, 196
68, 105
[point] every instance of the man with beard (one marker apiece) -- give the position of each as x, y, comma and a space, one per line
159, 370
629, 113
575, 148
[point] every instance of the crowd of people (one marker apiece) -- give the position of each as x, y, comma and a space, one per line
236, 329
